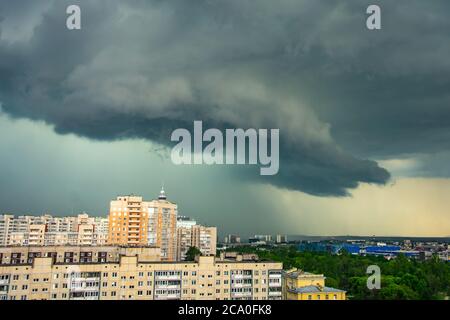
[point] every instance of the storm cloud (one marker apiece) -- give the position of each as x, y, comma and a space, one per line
339, 93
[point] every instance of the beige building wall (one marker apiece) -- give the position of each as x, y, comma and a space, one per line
132, 279
47, 230
36, 234
205, 239
75, 254
201, 237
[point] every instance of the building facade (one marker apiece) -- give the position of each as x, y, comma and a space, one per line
130, 277
47, 230
190, 234
300, 285
134, 222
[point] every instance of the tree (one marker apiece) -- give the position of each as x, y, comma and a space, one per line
192, 253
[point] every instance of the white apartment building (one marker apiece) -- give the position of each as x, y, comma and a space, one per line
190, 234
46, 230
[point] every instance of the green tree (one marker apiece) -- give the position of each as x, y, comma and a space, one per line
192, 253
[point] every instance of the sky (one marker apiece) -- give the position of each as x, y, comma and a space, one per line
364, 116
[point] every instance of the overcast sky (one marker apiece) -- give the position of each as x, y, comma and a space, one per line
364, 116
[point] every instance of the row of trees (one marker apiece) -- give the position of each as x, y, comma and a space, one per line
401, 278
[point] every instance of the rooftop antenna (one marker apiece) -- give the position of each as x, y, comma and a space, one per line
162, 194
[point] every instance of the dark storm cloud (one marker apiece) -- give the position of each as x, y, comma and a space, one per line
338, 92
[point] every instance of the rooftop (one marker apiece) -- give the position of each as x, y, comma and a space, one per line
314, 289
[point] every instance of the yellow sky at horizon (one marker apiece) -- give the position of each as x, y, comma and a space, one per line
406, 207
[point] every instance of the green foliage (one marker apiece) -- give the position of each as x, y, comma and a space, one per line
401, 278
192, 253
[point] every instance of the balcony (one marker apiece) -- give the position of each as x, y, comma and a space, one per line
275, 284
241, 285
241, 276
241, 294
168, 277
174, 296
168, 286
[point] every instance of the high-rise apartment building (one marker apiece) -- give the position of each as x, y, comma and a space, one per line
128, 221
281, 238
190, 234
46, 230
134, 222
205, 239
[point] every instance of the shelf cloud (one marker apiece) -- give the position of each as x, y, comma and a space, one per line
341, 95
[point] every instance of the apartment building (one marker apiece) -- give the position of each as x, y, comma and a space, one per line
131, 278
190, 234
133, 221
75, 254
205, 239
46, 230
300, 285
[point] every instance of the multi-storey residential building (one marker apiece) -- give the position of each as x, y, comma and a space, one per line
300, 285
205, 239
281, 238
48, 230
184, 242
133, 221
189, 234
5, 226
131, 277
232, 239
75, 254
36, 234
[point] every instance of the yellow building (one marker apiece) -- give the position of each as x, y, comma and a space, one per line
130, 276
300, 285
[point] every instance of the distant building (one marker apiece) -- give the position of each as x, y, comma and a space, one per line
263, 237
47, 230
300, 285
190, 234
281, 238
232, 239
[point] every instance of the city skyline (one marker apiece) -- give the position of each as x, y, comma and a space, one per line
363, 115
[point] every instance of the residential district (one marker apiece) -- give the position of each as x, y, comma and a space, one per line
142, 251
